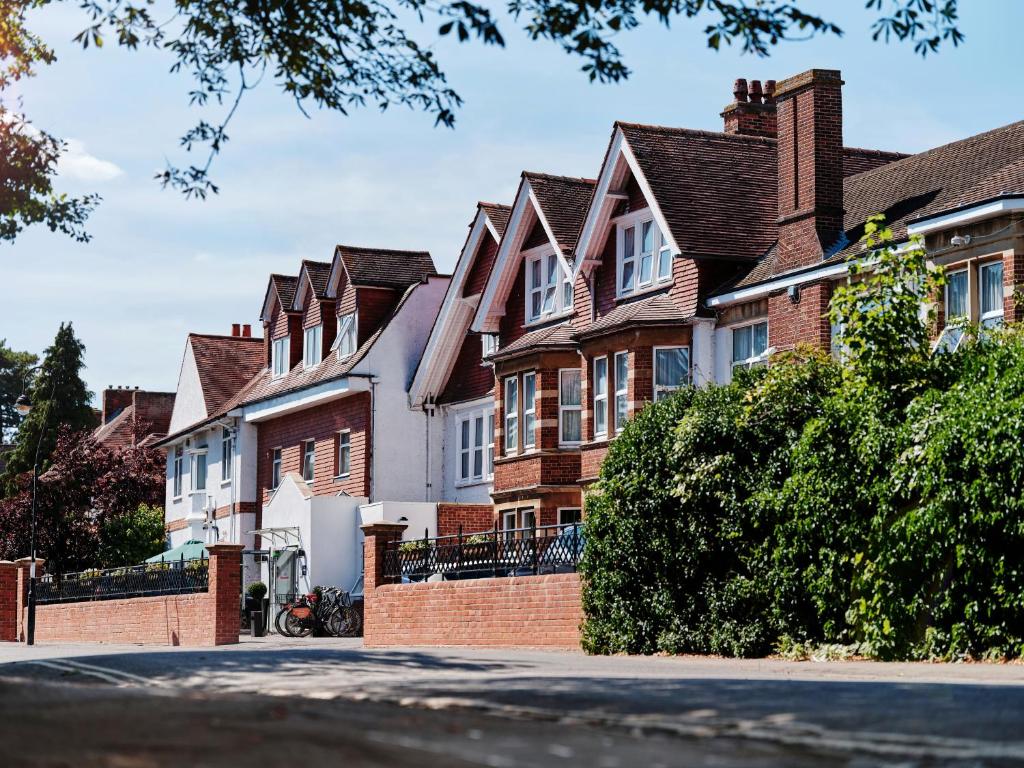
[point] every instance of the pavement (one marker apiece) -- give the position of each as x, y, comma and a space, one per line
456, 706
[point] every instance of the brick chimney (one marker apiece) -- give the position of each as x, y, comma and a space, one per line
114, 401
752, 112
246, 331
810, 123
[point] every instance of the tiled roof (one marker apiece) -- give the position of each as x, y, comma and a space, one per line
119, 432
263, 386
717, 191
498, 214
550, 336
379, 267
564, 201
653, 309
285, 286
225, 364
319, 272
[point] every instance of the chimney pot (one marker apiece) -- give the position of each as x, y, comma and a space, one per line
247, 331
769, 91
739, 89
755, 91
236, 329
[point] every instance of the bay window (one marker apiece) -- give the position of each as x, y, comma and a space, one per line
279, 356
671, 370
529, 410
957, 302
600, 396
749, 343
570, 407
511, 415
644, 255
621, 390
548, 287
311, 350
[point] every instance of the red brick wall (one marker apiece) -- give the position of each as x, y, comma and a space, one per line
476, 280
472, 517
321, 424
525, 611
805, 322
8, 602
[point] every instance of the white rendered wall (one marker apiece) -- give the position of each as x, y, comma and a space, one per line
723, 355
448, 456
703, 351
189, 403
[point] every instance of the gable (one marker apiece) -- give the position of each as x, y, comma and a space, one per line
189, 403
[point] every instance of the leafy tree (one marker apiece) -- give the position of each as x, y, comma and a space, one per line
59, 399
15, 378
340, 56
132, 537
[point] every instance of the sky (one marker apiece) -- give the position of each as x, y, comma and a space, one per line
293, 187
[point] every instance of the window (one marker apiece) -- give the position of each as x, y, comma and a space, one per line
621, 390
176, 472
308, 460
489, 343
508, 523
600, 395
569, 407
527, 518
227, 455
749, 344
344, 453
990, 300
671, 370
476, 446
511, 414
275, 468
346, 341
311, 350
279, 357
645, 257
197, 472
570, 515
529, 410
548, 287
957, 307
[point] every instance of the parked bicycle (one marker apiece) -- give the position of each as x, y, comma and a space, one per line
324, 611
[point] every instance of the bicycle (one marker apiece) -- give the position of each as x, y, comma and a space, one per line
325, 610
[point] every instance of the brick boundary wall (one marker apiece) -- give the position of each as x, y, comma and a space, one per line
8, 602
519, 611
200, 619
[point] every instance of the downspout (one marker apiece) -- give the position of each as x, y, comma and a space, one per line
428, 413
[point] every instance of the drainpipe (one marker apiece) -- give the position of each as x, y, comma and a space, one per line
428, 413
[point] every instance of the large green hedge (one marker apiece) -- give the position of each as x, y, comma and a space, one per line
874, 503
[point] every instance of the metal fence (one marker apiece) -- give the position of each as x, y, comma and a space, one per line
176, 577
489, 554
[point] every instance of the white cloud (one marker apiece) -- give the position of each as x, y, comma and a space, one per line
78, 164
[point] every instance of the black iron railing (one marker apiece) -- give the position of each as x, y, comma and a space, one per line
175, 577
488, 554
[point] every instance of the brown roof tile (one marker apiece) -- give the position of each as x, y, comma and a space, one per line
652, 309
319, 272
557, 335
225, 364
285, 286
383, 268
498, 214
564, 201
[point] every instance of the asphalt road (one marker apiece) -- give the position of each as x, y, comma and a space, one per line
270, 700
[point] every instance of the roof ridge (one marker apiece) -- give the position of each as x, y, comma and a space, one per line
197, 334
542, 175
699, 132
382, 250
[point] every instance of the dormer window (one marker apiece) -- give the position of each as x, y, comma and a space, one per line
644, 255
279, 357
311, 349
346, 341
548, 287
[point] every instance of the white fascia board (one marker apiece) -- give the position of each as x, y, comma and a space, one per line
305, 398
780, 283
966, 216
652, 201
300, 290
485, 320
604, 182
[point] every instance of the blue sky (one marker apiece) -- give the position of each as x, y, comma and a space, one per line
291, 187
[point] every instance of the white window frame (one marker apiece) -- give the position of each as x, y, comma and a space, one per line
505, 527
312, 460
469, 448
966, 272
346, 341
344, 468
563, 510
992, 314
753, 360
312, 349
669, 389
276, 467
177, 473
621, 390
529, 424
193, 470
279, 356
227, 456
659, 246
600, 400
488, 344
511, 417
563, 408
544, 254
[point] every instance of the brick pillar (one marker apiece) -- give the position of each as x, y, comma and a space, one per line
376, 536
8, 602
225, 591
24, 566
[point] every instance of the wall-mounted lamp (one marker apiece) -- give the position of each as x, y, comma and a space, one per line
794, 294
960, 240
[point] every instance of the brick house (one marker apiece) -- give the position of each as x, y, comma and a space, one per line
133, 417
695, 252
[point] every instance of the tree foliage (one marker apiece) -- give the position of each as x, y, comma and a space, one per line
873, 503
16, 376
132, 537
343, 55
